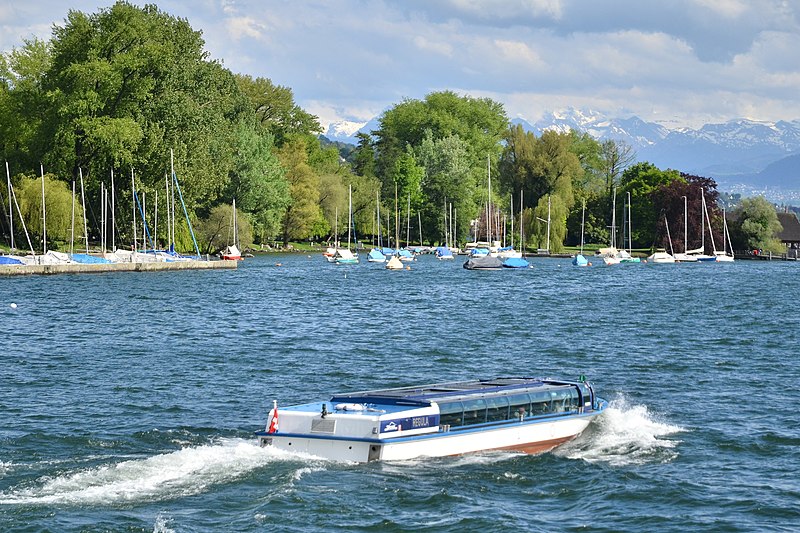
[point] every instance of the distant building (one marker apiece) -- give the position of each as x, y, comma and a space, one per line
790, 234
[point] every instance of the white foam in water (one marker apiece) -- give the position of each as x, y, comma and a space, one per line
181, 473
162, 525
624, 435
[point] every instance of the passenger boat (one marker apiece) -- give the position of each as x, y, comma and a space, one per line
530, 415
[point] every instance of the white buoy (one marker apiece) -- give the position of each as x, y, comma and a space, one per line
13, 305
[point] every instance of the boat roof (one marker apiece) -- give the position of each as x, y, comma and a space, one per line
425, 394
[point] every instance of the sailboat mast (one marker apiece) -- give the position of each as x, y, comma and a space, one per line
44, 215
548, 223
630, 236
235, 232
10, 213
489, 203
83, 204
349, 215
155, 221
72, 224
666, 223
727, 236
583, 222
614, 219
703, 222
22, 220
102, 218
685, 224
408, 220
512, 220
113, 216
710, 229
133, 205
521, 239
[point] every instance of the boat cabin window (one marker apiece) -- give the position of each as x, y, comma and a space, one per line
497, 409
519, 403
474, 412
451, 414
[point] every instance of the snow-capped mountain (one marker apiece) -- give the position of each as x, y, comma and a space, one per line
344, 130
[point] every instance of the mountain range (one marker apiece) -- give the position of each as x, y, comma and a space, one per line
743, 154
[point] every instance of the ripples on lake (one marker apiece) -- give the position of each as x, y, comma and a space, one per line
129, 399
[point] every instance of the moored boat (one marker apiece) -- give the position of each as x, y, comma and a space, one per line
530, 415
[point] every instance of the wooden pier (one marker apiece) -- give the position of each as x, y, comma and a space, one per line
98, 268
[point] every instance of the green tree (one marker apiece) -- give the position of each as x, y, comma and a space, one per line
363, 157
479, 123
276, 110
447, 181
257, 182
643, 180
215, 231
303, 211
58, 211
758, 225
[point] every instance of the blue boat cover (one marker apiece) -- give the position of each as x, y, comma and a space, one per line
88, 259
376, 254
579, 260
443, 251
9, 261
406, 253
478, 252
516, 262
387, 251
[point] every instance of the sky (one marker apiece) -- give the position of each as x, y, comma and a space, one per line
681, 63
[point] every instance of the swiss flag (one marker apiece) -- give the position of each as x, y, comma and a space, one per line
272, 427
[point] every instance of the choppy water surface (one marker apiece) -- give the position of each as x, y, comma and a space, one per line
129, 400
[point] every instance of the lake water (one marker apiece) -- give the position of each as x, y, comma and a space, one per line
129, 400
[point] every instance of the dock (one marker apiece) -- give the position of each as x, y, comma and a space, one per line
99, 268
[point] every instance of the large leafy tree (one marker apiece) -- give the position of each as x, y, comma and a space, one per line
303, 211
642, 181
257, 182
446, 183
686, 225
118, 89
479, 122
275, 108
757, 225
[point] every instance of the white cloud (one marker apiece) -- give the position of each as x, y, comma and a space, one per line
426, 45
238, 27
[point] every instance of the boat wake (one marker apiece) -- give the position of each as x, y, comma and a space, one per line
185, 472
624, 435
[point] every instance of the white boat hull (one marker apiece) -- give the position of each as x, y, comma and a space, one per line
529, 437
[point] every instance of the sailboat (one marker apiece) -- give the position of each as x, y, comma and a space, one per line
394, 262
580, 260
661, 256
685, 257
344, 256
376, 255
723, 256
231, 252
509, 252
625, 255
700, 253
517, 261
610, 254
